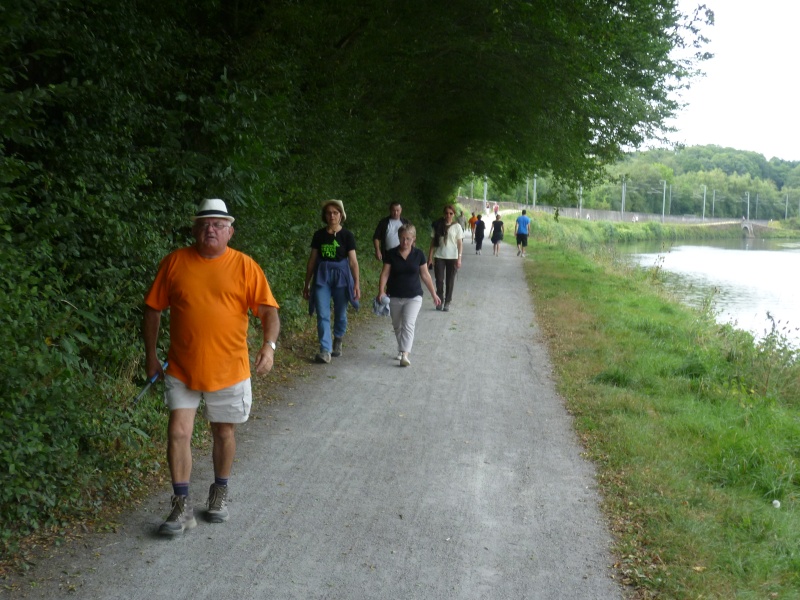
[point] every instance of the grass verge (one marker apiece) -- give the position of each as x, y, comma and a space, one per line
693, 427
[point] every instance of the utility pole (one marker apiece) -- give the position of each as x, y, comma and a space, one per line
748, 205
669, 205
485, 190
713, 202
663, 199
704, 202
527, 185
534, 191
580, 200
624, 188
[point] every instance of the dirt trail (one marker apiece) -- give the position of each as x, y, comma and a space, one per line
458, 477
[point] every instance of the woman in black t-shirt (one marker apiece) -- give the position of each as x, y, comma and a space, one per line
403, 267
332, 274
496, 232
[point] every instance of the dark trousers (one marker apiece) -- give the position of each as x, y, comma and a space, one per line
478, 244
444, 270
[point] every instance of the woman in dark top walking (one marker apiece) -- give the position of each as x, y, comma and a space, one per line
480, 230
496, 234
332, 274
403, 267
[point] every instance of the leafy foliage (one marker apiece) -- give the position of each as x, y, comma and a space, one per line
117, 118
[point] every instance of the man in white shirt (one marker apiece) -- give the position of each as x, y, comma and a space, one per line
385, 236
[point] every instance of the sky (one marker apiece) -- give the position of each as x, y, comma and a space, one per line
748, 99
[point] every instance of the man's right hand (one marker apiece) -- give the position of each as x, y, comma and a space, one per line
153, 366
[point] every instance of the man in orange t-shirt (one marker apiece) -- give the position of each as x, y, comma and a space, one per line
209, 289
472, 220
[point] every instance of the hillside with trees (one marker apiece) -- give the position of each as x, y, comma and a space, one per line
728, 178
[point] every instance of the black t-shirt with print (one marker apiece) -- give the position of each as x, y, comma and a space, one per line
333, 246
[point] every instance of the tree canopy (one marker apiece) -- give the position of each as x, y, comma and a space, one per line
116, 118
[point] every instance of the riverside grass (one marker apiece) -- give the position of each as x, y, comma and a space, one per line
694, 427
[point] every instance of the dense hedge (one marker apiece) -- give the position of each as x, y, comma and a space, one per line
114, 123
116, 118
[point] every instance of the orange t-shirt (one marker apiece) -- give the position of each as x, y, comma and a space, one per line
472, 221
208, 301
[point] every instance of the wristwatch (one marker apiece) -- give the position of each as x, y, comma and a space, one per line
271, 345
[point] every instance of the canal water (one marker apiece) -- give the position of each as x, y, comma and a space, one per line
745, 279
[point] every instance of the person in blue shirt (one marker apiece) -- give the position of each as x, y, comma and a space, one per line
521, 231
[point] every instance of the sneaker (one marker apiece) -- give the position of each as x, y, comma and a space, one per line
323, 357
439, 307
337, 347
404, 362
446, 307
217, 503
519, 252
399, 356
181, 517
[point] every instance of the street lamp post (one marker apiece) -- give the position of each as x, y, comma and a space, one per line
664, 200
748, 205
713, 202
534, 190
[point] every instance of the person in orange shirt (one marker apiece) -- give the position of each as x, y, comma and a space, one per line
209, 289
472, 220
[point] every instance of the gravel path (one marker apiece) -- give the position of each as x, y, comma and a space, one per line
458, 477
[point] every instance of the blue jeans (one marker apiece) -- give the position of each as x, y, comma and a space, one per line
322, 305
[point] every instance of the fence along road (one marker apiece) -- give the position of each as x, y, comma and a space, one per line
458, 477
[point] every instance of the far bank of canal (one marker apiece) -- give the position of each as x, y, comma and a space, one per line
747, 280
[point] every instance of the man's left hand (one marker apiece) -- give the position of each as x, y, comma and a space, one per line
264, 359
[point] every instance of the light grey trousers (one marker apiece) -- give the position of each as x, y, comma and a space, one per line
404, 318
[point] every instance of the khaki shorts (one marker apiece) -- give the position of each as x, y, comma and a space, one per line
228, 405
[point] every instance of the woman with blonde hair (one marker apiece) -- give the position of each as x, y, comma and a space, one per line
403, 268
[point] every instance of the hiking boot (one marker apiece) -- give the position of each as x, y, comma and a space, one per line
323, 357
181, 517
217, 503
337, 347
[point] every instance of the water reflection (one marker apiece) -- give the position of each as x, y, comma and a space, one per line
747, 278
